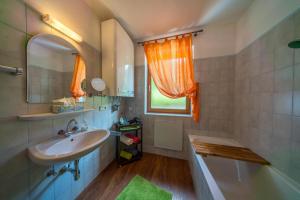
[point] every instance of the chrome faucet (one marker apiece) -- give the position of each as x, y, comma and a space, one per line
72, 127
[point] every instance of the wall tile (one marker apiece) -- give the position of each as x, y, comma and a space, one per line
40, 131
15, 131
283, 80
296, 128
16, 187
283, 103
267, 61
282, 126
17, 163
296, 102
266, 102
283, 57
267, 82
16, 18
12, 43
297, 77
266, 121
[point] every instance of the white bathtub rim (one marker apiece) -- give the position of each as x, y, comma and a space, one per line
212, 185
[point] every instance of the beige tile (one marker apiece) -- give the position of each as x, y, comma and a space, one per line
266, 121
12, 43
16, 187
266, 102
12, 12
283, 57
13, 134
254, 67
283, 103
296, 102
283, 80
296, 129
267, 82
255, 84
267, 61
38, 108
40, 131
254, 101
297, 78
17, 162
253, 119
297, 56
282, 126
213, 88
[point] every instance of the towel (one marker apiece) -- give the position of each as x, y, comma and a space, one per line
78, 77
126, 140
132, 150
126, 155
134, 138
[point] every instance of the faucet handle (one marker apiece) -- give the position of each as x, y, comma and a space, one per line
75, 128
63, 133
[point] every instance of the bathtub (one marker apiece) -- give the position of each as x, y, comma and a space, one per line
217, 178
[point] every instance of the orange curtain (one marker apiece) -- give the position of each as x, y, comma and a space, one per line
78, 77
170, 64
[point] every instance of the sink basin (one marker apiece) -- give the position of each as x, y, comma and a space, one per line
67, 149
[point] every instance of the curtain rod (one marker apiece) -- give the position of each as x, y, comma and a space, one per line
195, 33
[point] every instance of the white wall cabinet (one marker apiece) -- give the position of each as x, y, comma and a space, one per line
117, 59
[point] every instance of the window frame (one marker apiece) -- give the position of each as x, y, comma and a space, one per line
186, 111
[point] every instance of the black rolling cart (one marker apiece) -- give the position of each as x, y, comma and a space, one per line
135, 129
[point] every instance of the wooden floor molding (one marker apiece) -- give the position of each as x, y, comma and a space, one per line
170, 174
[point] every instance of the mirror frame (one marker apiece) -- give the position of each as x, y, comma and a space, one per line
29, 42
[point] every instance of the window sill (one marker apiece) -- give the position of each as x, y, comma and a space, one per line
168, 114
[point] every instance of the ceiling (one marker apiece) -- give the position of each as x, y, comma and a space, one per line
147, 18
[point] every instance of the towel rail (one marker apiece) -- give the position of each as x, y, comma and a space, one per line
13, 70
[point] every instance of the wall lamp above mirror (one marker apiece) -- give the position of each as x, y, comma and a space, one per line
61, 27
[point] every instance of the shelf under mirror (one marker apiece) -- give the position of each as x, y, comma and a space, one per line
42, 116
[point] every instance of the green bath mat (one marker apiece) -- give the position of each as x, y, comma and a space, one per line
141, 189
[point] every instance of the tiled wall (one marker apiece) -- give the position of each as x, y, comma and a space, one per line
267, 97
19, 177
46, 84
253, 96
216, 81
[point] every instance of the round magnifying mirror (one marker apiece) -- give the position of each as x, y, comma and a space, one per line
98, 84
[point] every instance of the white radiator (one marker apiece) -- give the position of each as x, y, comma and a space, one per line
168, 134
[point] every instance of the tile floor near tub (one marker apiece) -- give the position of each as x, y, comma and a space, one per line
160, 170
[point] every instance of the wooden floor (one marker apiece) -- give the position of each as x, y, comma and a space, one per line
171, 174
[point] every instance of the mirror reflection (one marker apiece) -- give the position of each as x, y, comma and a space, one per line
54, 69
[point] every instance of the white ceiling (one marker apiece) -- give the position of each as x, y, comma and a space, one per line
148, 18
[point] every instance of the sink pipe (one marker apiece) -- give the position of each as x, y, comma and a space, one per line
75, 171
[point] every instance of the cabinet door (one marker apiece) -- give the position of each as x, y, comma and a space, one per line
125, 63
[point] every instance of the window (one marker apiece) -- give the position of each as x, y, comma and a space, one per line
158, 103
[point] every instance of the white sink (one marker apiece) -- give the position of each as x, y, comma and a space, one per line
69, 148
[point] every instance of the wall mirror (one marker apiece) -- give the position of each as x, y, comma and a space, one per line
50, 65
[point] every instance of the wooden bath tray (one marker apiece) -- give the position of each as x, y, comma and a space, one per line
232, 152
